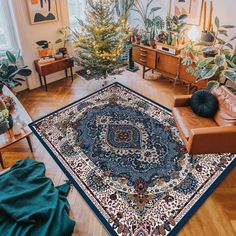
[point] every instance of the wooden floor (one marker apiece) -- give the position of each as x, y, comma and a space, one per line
217, 216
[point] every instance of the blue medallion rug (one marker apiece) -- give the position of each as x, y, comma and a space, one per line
124, 155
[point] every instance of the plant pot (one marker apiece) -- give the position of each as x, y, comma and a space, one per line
144, 42
210, 52
4, 127
137, 39
207, 37
63, 50
10, 121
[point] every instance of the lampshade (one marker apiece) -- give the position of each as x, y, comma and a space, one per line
193, 33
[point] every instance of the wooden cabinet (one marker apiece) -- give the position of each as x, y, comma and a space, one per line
167, 64
52, 67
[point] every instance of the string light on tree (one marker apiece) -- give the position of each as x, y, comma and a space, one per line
102, 40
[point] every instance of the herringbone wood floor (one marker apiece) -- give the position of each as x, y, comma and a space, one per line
216, 217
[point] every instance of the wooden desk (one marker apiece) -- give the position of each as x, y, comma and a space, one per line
52, 67
9, 138
167, 64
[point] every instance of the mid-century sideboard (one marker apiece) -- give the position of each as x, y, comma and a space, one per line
167, 64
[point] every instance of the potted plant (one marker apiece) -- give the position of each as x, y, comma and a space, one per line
9, 71
66, 37
146, 13
4, 124
218, 66
175, 26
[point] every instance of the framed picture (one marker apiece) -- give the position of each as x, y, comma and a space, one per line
193, 8
42, 11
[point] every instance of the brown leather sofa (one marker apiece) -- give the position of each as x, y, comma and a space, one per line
207, 135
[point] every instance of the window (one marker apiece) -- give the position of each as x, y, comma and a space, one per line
8, 40
77, 9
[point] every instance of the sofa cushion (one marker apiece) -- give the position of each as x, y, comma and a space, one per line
226, 114
186, 120
204, 103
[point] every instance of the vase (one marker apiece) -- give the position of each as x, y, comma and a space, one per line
4, 127
208, 37
63, 51
169, 39
10, 121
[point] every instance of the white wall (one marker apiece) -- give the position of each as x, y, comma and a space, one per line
164, 4
29, 34
224, 9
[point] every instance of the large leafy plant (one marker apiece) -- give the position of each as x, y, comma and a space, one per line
176, 25
147, 15
9, 71
123, 8
218, 67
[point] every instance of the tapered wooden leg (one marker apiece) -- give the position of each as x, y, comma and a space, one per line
45, 83
1, 160
40, 78
143, 72
188, 88
66, 73
29, 143
71, 72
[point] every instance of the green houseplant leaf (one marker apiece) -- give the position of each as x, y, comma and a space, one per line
217, 22
208, 72
11, 57
220, 60
228, 26
205, 61
230, 74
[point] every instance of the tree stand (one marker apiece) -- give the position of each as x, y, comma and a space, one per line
131, 67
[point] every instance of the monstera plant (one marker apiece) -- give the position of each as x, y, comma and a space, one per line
9, 71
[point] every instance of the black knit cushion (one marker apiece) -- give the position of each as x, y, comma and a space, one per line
204, 104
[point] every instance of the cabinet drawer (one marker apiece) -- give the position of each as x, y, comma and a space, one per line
136, 54
144, 57
168, 64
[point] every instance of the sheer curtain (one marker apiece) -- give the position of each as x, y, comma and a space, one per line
8, 39
77, 8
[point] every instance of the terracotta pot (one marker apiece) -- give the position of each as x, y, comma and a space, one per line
138, 39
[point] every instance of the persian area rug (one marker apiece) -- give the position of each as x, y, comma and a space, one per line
124, 155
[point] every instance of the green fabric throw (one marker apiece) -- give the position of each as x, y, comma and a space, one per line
31, 205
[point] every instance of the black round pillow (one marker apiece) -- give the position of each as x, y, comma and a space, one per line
204, 104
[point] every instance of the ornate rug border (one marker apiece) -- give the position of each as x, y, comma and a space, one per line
100, 217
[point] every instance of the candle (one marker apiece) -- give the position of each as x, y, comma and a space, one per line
210, 16
204, 17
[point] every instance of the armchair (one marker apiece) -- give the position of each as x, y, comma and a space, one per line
202, 135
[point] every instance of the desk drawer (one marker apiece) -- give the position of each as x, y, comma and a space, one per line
55, 66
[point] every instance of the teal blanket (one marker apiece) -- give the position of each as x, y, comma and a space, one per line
31, 205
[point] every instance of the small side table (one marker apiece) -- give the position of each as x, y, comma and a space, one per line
9, 138
52, 67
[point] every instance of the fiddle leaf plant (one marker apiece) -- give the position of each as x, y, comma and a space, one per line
9, 71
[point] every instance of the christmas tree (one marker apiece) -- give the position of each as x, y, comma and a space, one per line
102, 40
